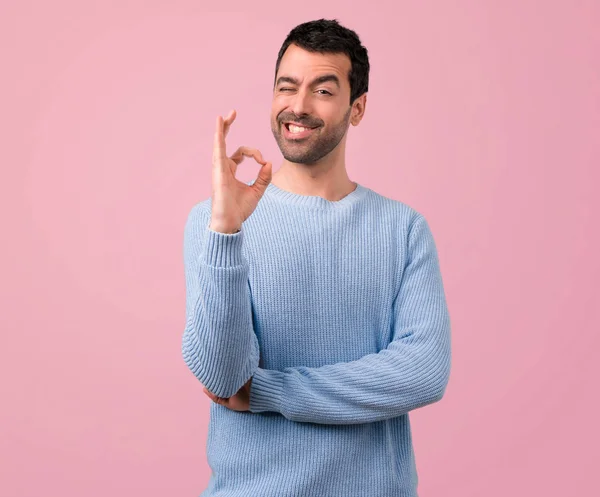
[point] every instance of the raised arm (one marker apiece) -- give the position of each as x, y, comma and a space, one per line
219, 344
411, 372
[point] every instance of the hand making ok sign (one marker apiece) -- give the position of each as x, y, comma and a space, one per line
233, 200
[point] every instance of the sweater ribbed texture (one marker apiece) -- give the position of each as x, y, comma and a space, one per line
337, 310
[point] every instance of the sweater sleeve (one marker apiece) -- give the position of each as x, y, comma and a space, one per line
411, 372
219, 345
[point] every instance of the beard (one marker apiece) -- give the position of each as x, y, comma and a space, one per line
313, 148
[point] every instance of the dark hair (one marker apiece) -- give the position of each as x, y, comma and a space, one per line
328, 36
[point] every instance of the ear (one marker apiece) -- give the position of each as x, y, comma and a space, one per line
358, 109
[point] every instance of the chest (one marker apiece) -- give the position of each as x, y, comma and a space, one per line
322, 295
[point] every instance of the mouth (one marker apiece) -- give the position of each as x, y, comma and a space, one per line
292, 131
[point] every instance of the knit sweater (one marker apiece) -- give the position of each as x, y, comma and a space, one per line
337, 311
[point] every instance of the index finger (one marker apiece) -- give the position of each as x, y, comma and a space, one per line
228, 121
219, 147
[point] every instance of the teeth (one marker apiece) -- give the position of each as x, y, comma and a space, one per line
296, 129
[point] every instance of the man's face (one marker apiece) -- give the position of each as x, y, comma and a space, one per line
322, 105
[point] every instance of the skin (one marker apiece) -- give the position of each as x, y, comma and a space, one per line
315, 165
238, 402
312, 166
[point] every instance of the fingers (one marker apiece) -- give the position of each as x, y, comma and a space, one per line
228, 121
221, 130
213, 396
220, 153
263, 179
238, 155
219, 141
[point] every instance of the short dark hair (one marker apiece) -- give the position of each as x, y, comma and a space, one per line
329, 36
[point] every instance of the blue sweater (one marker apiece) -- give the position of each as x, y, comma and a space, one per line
337, 310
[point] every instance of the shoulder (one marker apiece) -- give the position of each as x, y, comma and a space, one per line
408, 226
197, 219
401, 214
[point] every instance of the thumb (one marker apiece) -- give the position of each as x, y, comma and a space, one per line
263, 179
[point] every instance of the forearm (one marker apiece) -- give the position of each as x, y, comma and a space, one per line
219, 344
411, 372
378, 386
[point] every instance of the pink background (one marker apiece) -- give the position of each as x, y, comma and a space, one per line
484, 116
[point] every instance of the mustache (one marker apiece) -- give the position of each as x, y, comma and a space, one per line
301, 122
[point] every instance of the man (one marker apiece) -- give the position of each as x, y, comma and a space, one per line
316, 314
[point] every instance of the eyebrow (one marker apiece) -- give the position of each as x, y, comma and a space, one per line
317, 81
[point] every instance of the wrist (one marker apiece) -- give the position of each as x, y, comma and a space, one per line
227, 229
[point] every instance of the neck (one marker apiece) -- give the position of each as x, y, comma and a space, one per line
301, 179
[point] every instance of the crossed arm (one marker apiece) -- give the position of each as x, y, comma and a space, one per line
411, 372
219, 344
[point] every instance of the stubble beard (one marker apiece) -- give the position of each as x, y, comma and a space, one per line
315, 148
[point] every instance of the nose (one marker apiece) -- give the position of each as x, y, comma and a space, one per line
301, 103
